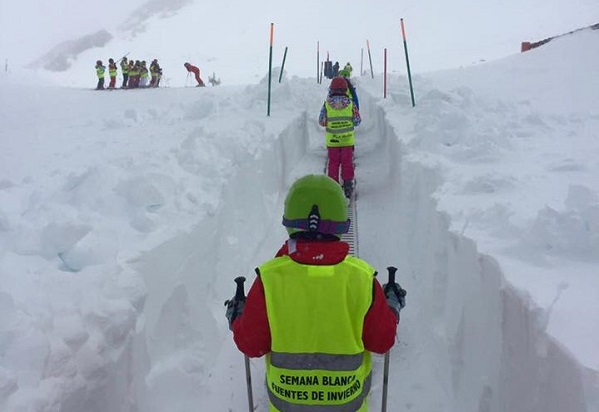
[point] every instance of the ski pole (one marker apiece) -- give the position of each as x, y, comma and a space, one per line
391, 281
239, 296
385, 381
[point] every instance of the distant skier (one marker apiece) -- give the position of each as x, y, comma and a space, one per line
352, 93
100, 72
347, 70
336, 69
316, 311
134, 71
112, 73
125, 71
340, 136
143, 74
193, 69
156, 73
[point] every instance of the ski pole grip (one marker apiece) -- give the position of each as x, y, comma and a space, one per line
239, 293
391, 270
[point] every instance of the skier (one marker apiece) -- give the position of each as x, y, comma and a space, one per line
100, 69
193, 69
340, 135
134, 71
336, 69
347, 69
125, 70
111, 73
315, 311
143, 74
156, 72
352, 93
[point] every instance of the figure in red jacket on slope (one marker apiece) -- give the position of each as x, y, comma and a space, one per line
193, 69
314, 310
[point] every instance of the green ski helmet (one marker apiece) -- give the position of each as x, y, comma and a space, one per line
316, 203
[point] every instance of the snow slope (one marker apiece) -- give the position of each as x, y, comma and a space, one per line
231, 38
125, 216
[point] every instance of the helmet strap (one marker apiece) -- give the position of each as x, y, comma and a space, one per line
315, 224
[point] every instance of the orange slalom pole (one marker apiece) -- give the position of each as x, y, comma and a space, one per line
272, 29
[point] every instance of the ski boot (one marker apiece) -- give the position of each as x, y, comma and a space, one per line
348, 188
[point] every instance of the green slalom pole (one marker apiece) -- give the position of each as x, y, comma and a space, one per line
370, 58
270, 68
283, 65
405, 47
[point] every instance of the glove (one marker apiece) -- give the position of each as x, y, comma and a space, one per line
234, 309
396, 297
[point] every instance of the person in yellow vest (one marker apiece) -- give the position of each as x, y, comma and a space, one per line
339, 115
125, 71
134, 67
156, 73
144, 74
100, 72
315, 311
112, 73
347, 68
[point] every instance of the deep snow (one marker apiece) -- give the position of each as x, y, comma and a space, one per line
125, 216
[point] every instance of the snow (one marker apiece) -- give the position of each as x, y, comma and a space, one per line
126, 215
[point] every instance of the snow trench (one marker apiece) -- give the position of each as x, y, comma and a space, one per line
467, 341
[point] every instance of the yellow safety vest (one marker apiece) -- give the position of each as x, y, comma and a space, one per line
100, 71
316, 316
340, 126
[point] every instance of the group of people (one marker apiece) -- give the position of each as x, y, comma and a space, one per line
135, 73
332, 70
315, 311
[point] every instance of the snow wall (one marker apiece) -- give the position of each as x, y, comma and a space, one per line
486, 339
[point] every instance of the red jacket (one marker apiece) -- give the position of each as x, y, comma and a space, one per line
251, 331
193, 69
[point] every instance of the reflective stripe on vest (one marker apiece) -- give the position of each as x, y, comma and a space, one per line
316, 313
340, 126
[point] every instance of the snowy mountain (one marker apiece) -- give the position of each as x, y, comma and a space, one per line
125, 216
231, 39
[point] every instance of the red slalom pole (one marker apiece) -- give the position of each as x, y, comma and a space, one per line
317, 61
362, 61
